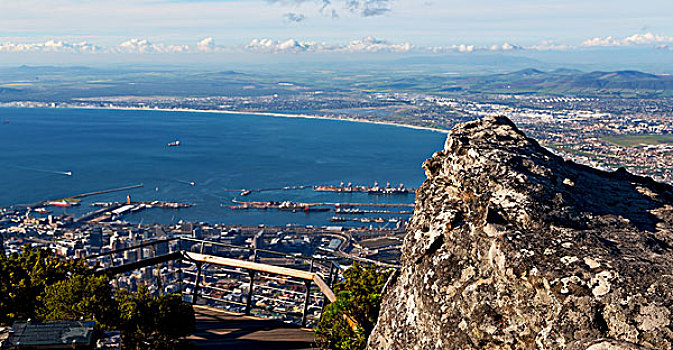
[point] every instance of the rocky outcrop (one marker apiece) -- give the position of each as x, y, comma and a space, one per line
511, 247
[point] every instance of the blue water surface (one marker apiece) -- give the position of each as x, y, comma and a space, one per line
111, 148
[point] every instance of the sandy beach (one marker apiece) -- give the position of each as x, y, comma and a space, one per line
266, 114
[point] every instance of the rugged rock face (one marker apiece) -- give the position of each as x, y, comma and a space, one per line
511, 247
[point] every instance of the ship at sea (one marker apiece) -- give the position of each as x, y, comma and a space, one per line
63, 203
174, 143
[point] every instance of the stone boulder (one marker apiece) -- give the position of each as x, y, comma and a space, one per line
512, 247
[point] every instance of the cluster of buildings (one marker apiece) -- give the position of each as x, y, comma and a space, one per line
641, 143
119, 243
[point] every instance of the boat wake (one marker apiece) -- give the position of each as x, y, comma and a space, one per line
46, 171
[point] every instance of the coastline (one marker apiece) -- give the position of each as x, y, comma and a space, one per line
265, 114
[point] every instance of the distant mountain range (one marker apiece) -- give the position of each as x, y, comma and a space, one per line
566, 81
54, 83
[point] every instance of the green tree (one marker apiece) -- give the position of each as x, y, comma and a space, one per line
24, 278
37, 284
81, 296
347, 322
154, 322
16, 301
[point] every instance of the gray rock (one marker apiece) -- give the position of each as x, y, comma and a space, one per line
511, 247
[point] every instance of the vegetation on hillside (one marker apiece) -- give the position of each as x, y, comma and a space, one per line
38, 285
632, 140
347, 322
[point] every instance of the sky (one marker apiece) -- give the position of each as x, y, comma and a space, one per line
105, 27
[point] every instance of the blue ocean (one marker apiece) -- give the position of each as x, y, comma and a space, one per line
112, 148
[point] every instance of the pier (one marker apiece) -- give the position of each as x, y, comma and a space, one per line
75, 198
118, 189
341, 188
245, 192
287, 205
114, 210
376, 189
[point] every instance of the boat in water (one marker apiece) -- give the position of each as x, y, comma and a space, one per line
63, 203
174, 143
310, 209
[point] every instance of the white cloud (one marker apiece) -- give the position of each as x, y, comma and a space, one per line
635, 39
546, 45
133, 46
464, 48
647, 38
293, 45
143, 46
371, 44
273, 46
368, 44
294, 17
50, 46
505, 47
335, 8
206, 45
451, 48
607, 41
542, 46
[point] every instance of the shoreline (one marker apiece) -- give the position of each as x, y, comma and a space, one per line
264, 114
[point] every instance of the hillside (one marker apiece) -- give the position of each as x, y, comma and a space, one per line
566, 81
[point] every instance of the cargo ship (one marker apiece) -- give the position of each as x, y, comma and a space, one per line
174, 143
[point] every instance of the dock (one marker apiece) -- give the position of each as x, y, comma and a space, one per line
376, 189
341, 188
114, 210
298, 206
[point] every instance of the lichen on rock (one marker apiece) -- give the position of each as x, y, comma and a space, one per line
512, 247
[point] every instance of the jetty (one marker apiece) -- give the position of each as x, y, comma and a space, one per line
76, 198
341, 188
375, 189
287, 205
114, 210
118, 189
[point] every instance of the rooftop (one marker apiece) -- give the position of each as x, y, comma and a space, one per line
50, 335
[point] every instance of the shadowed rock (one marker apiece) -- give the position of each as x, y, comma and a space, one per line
511, 247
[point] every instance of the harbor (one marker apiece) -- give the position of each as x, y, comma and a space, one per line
110, 211
322, 205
